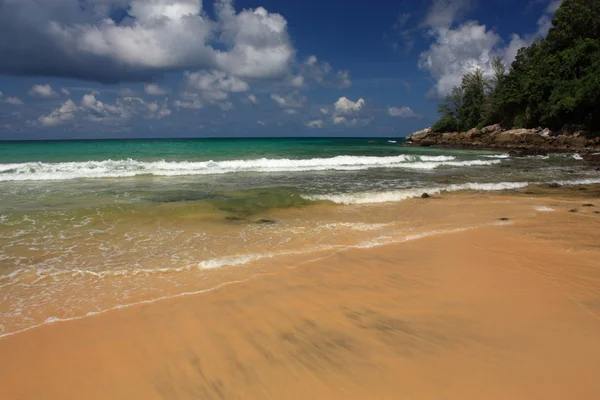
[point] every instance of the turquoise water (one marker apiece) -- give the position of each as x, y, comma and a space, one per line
49, 175
189, 149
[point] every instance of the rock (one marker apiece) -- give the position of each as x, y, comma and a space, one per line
419, 135
427, 143
490, 129
425, 196
504, 219
546, 132
554, 185
574, 210
596, 212
266, 221
588, 205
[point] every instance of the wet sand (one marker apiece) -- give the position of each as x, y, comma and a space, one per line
498, 312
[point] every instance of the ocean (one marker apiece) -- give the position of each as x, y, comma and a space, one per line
90, 226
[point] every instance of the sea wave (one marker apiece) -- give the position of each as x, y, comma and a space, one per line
130, 167
399, 195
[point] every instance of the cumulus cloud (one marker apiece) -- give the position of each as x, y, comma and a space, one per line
119, 40
348, 112
289, 101
65, 92
92, 109
456, 50
402, 112
153, 89
347, 106
314, 71
42, 91
252, 99
64, 113
210, 87
15, 101
317, 123
443, 13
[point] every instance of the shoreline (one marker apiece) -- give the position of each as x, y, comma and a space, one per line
458, 315
518, 141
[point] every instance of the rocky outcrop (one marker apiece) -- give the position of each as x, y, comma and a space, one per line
494, 137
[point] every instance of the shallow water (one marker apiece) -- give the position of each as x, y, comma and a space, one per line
89, 226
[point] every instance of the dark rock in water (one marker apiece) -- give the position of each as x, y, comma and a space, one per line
588, 205
582, 188
554, 185
574, 210
504, 219
425, 196
266, 221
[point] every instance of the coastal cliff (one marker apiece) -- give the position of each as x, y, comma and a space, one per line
494, 137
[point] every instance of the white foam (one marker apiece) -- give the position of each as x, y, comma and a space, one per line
501, 156
577, 156
543, 209
399, 195
130, 168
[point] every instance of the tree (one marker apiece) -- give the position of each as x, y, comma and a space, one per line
555, 82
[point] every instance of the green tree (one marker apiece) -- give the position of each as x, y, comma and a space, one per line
555, 82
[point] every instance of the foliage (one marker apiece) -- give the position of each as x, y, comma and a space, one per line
555, 82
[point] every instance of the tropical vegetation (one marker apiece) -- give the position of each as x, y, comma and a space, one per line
554, 83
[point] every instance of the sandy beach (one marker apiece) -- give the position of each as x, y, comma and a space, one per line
506, 311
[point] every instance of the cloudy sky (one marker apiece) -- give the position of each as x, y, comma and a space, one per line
193, 68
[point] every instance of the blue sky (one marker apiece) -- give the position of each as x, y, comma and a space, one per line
192, 68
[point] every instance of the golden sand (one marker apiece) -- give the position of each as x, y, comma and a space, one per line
496, 312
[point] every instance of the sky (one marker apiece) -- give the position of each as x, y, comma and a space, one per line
84, 69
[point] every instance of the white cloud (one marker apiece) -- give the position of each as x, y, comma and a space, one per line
213, 86
191, 103
351, 122
92, 109
339, 120
313, 71
443, 13
42, 91
252, 99
402, 112
153, 89
470, 45
15, 101
60, 115
259, 44
456, 51
66, 38
290, 111
261, 122
315, 124
324, 110
65, 92
347, 106
290, 101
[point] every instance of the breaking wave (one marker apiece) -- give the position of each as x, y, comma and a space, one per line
130, 167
